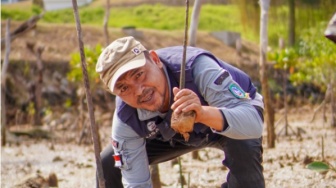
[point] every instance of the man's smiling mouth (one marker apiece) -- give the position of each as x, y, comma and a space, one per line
147, 96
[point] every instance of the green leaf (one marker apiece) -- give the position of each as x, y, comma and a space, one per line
318, 166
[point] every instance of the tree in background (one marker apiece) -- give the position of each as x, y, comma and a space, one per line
290, 16
194, 22
105, 23
269, 112
291, 22
249, 15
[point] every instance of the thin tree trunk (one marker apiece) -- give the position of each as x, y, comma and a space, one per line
327, 95
285, 100
291, 23
284, 79
106, 19
193, 38
330, 33
155, 175
3, 84
269, 113
94, 128
194, 22
333, 105
81, 116
37, 85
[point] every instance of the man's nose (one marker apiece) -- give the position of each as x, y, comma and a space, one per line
138, 89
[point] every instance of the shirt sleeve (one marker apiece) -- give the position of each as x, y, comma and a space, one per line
132, 149
219, 90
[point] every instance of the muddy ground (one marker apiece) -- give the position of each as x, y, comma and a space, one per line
74, 164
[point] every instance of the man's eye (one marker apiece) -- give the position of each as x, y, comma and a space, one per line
138, 74
123, 89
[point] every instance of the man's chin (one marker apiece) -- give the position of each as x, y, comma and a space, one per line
152, 108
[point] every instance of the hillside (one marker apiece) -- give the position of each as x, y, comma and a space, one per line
59, 41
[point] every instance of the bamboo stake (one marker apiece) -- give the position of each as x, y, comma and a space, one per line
94, 128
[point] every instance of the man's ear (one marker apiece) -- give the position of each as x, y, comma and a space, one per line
155, 58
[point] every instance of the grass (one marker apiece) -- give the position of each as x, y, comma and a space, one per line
163, 17
157, 16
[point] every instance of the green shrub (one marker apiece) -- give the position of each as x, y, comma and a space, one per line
317, 58
91, 55
17, 15
60, 16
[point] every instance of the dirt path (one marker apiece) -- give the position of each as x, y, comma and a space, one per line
284, 165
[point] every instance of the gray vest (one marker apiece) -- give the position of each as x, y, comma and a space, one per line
158, 128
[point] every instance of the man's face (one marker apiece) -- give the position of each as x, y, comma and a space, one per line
145, 87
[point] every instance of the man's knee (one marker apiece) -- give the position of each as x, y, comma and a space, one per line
244, 159
107, 157
251, 147
112, 175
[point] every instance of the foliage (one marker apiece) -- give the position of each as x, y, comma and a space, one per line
18, 15
91, 55
68, 103
36, 9
312, 61
320, 166
61, 16
227, 18
31, 109
284, 59
317, 64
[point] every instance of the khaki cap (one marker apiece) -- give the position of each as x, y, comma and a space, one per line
120, 56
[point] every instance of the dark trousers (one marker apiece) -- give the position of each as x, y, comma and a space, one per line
242, 157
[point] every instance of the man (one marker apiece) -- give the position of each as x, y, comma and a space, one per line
228, 113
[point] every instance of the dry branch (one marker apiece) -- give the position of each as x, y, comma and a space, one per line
23, 28
3, 85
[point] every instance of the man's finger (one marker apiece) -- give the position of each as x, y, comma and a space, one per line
175, 90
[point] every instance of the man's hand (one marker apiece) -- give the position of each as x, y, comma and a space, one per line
185, 107
186, 100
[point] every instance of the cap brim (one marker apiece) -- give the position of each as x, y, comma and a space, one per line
138, 61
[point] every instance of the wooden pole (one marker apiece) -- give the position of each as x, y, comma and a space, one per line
194, 22
269, 113
3, 84
182, 75
106, 19
94, 128
183, 64
36, 88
